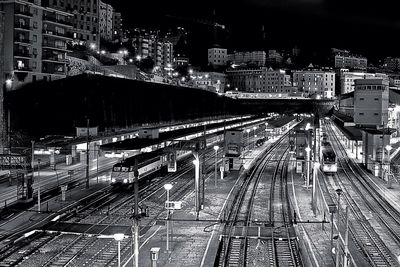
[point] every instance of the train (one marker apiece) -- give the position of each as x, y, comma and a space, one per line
123, 172
328, 158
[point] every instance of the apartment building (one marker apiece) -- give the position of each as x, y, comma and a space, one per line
256, 58
35, 47
217, 56
106, 21
315, 83
150, 45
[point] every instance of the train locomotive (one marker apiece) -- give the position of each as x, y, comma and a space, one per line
328, 158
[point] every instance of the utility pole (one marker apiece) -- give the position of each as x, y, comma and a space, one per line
136, 214
87, 154
346, 239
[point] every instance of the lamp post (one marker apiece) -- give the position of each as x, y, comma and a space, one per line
338, 192
248, 137
314, 182
254, 129
38, 185
215, 172
167, 187
308, 149
266, 126
119, 238
388, 148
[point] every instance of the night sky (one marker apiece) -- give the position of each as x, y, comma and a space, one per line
363, 27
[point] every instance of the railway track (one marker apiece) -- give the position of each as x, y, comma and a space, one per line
271, 251
360, 196
111, 209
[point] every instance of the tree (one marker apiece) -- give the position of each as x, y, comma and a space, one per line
147, 64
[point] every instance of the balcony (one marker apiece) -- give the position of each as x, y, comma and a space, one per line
25, 13
66, 35
22, 54
47, 45
56, 20
20, 26
23, 41
54, 59
22, 69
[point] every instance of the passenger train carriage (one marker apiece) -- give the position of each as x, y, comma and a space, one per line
328, 158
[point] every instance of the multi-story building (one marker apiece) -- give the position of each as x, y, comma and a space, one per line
217, 56
85, 19
391, 63
256, 58
274, 57
212, 81
246, 80
35, 42
106, 21
273, 81
158, 49
315, 83
347, 79
117, 26
346, 60
371, 102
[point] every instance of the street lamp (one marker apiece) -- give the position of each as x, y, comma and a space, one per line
102, 52
248, 137
119, 238
254, 133
92, 46
38, 185
216, 154
338, 192
314, 182
138, 58
168, 187
388, 148
308, 149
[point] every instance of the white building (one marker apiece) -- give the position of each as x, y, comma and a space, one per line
217, 56
211, 81
371, 102
347, 79
347, 60
256, 58
314, 83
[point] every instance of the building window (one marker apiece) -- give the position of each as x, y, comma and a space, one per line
34, 64
376, 114
34, 38
377, 99
35, 25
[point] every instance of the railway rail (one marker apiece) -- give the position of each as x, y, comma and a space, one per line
280, 249
360, 196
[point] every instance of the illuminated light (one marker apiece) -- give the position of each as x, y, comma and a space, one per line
93, 46
125, 181
119, 237
8, 82
168, 186
113, 180
388, 148
130, 60
103, 52
196, 162
29, 233
138, 57
316, 165
216, 148
56, 218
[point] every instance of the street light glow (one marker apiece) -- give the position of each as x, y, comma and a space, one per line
119, 237
247, 130
388, 147
103, 52
308, 149
168, 186
216, 148
8, 82
93, 46
138, 57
